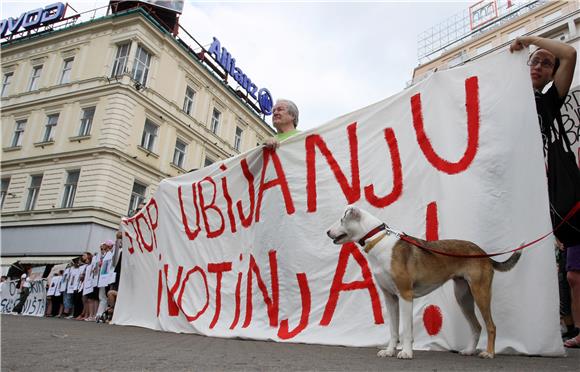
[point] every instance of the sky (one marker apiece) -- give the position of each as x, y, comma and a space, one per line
329, 57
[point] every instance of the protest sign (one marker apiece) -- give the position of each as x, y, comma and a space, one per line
35, 302
239, 248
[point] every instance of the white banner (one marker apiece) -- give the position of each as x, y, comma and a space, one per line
35, 304
239, 248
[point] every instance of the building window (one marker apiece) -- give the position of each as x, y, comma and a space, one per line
86, 121
179, 153
70, 188
67, 67
49, 128
141, 65
6, 80
121, 59
208, 161
18, 133
238, 138
36, 71
149, 135
4, 190
137, 197
215, 120
33, 191
188, 100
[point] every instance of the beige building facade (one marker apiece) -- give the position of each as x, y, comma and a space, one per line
94, 116
558, 20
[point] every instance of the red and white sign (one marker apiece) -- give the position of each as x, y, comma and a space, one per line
239, 249
482, 13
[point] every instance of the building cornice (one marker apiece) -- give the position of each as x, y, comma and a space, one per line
8, 165
57, 216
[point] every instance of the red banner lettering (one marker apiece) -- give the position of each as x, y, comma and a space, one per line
349, 249
351, 191
472, 107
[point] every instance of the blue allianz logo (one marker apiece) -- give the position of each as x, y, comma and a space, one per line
265, 101
228, 63
32, 19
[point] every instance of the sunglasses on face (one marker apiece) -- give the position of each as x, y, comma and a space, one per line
546, 63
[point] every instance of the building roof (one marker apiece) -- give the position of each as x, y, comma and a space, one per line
71, 23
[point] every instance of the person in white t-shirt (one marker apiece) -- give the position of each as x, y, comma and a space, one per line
78, 303
86, 282
25, 285
57, 306
71, 288
106, 270
63, 288
90, 288
52, 286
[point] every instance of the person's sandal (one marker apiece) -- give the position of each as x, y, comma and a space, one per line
571, 333
572, 343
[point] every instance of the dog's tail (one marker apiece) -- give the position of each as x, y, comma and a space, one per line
508, 264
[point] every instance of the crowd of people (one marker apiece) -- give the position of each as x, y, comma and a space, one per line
86, 289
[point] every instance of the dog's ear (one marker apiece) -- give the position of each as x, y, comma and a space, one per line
353, 213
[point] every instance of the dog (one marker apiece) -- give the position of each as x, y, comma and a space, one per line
405, 271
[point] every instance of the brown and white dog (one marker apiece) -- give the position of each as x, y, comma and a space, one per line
405, 271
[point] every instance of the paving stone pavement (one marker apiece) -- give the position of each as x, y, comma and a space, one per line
48, 344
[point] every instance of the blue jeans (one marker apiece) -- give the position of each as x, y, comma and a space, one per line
68, 302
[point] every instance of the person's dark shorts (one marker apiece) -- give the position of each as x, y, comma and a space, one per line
94, 295
573, 258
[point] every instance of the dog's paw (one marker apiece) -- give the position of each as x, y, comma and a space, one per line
486, 355
405, 354
383, 353
467, 352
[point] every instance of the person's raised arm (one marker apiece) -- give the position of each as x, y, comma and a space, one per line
564, 52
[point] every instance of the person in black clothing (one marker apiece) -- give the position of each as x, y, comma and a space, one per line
554, 61
551, 61
24, 286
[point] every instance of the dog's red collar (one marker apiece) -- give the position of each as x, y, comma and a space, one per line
372, 233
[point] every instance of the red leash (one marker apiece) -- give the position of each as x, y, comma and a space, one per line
416, 243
